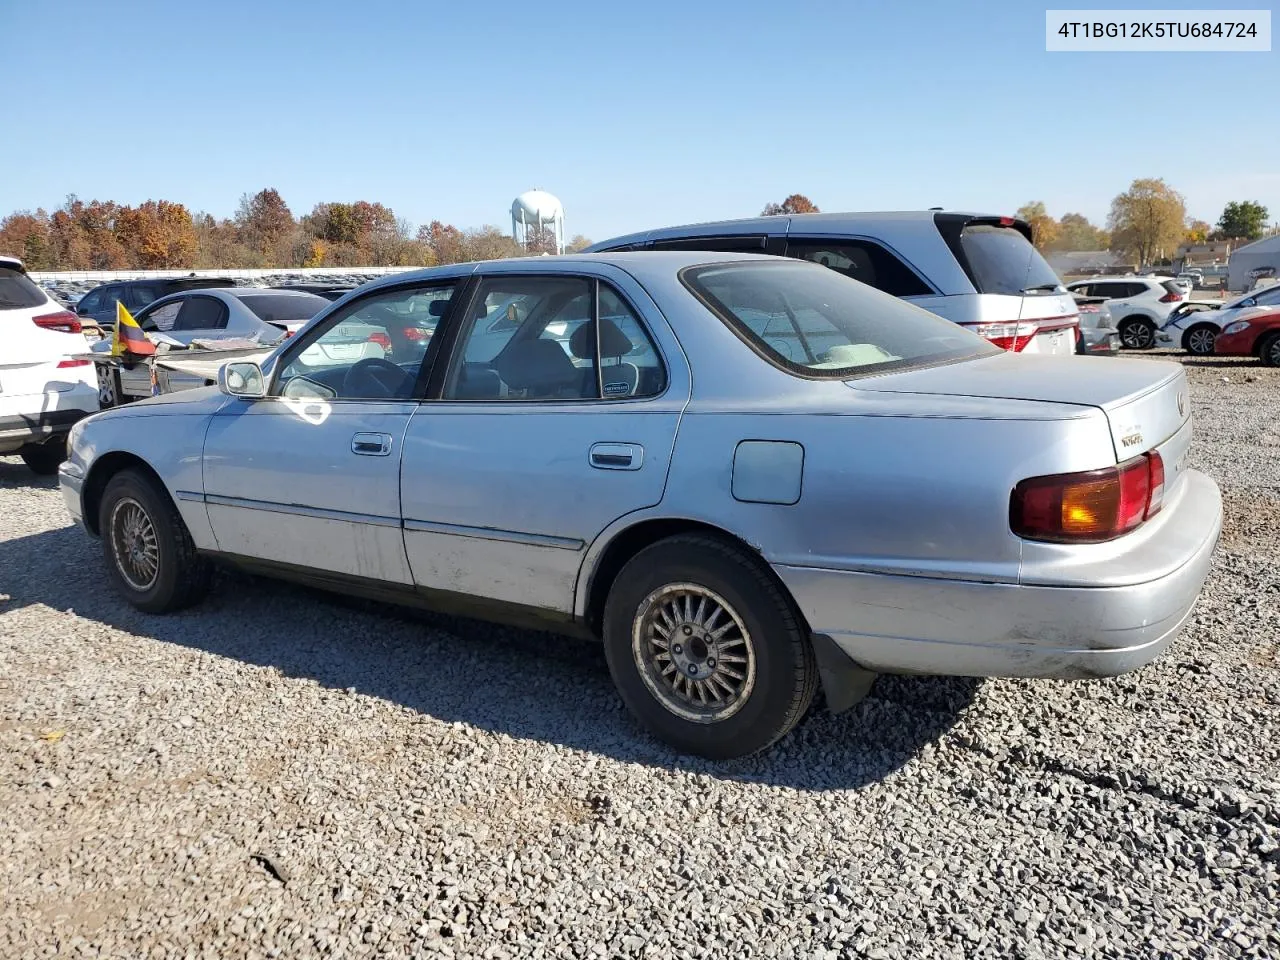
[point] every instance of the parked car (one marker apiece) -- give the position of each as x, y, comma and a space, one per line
227, 313
979, 271
1098, 333
99, 304
1255, 335
1195, 330
1140, 305
43, 388
1186, 281
330, 291
768, 483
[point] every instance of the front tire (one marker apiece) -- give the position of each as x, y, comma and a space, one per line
1269, 351
44, 458
1137, 333
706, 651
150, 555
1199, 340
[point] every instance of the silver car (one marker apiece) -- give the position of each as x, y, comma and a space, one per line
746, 475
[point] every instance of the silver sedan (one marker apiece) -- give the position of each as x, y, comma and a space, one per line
747, 476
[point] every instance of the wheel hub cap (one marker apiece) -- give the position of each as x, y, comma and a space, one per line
694, 652
134, 544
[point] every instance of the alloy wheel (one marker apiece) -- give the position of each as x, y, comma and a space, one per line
1137, 336
134, 544
1200, 342
106, 387
694, 652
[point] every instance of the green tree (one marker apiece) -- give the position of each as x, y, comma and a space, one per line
1242, 219
1146, 221
1075, 232
577, 244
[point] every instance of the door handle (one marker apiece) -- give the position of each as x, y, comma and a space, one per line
617, 456
371, 444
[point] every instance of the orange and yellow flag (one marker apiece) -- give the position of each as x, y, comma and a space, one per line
129, 337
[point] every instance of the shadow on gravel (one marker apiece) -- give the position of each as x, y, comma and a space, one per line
519, 683
15, 473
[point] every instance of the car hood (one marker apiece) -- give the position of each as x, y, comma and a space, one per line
201, 400
1145, 401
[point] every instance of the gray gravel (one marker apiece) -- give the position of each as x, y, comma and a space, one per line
279, 773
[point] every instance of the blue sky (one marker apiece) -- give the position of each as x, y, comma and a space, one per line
635, 115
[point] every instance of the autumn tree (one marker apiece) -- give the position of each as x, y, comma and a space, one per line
25, 235
265, 223
577, 244
489, 243
1146, 221
796, 203
443, 242
539, 240
1075, 232
1242, 219
157, 234
1044, 229
1197, 231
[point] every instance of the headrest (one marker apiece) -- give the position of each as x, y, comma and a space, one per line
613, 342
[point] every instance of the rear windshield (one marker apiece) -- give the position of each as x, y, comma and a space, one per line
1171, 286
18, 291
282, 308
1002, 260
815, 322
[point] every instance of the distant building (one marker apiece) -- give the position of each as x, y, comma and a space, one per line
1087, 263
1254, 261
1190, 254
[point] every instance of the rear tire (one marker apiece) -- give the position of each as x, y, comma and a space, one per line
705, 649
44, 458
150, 555
108, 392
1269, 351
1199, 340
1137, 333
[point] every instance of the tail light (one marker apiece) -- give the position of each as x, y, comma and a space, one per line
1088, 308
1171, 298
1088, 507
1008, 336
66, 364
416, 334
64, 321
382, 340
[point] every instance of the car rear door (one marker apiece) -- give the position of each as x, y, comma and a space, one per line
527, 450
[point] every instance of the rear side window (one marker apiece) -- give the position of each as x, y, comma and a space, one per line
817, 323
285, 309
864, 261
18, 291
1171, 287
89, 302
201, 313
999, 259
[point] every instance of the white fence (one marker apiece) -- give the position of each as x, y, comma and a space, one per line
104, 276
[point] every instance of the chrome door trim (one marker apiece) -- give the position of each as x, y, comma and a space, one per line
488, 533
298, 510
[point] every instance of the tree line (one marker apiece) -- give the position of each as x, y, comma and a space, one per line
264, 233
1147, 222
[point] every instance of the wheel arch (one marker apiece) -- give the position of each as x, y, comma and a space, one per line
620, 546
95, 484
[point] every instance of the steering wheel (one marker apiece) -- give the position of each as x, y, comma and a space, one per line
376, 377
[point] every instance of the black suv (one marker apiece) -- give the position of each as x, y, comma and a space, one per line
99, 304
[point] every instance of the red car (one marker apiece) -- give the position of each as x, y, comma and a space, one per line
1256, 336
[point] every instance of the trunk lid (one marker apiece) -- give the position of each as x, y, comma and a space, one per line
1146, 402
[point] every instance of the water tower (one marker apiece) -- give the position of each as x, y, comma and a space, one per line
537, 209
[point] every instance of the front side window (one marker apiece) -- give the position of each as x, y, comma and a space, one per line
817, 323
865, 262
535, 338
372, 350
143, 294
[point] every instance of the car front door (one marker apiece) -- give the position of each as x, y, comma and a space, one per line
309, 476
531, 442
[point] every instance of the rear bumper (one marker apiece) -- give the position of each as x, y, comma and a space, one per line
18, 429
1100, 341
892, 624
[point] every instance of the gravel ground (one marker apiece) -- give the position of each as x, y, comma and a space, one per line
279, 773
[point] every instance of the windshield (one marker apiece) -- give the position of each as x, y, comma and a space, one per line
815, 322
18, 291
284, 308
1002, 260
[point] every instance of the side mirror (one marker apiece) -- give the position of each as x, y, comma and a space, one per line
242, 379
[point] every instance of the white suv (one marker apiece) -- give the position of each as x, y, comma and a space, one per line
1196, 331
1139, 305
42, 390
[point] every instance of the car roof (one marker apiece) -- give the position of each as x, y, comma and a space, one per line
638, 263
13, 263
262, 291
